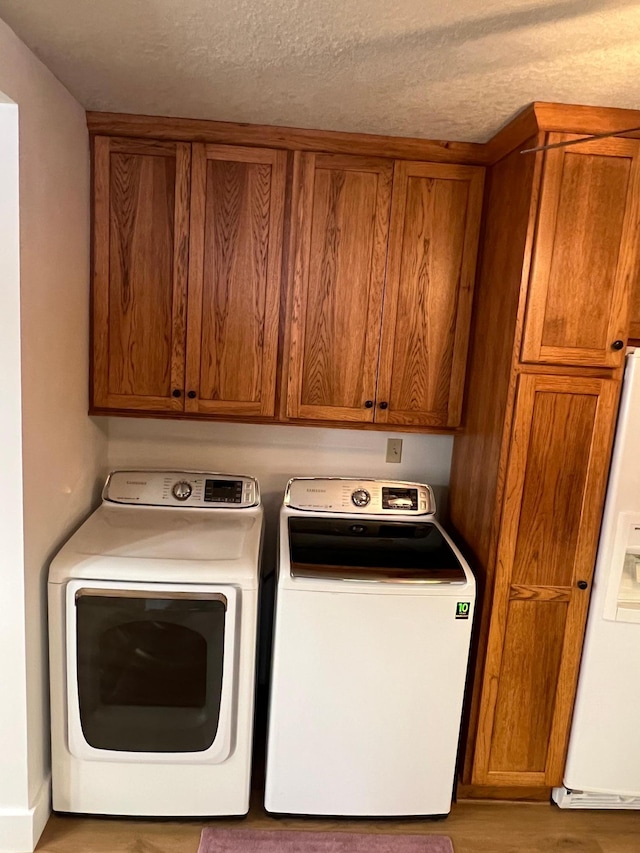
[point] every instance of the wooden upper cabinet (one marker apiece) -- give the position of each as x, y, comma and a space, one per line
585, 254
555, 483
188, 266
435, 223
235, 267
381, 290
141, 229
339, 234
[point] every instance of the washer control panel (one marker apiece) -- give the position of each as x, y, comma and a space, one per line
195, 489
371, 497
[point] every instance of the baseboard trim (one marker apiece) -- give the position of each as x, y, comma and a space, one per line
20, 829
481, 792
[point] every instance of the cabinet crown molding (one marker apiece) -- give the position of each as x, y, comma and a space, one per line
537, 117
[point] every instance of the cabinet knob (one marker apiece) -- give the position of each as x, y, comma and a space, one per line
176, 392
368, 404
617, 345
384, 405
582, 585
191, 395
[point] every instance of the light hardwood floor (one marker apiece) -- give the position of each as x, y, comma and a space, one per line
473, 827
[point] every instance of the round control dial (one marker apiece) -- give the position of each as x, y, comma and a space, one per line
360, 497
181, 490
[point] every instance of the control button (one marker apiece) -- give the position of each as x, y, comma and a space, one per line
357, 528
182, 490
423, 506
360, 497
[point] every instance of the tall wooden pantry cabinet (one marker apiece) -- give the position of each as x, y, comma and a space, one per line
529, 471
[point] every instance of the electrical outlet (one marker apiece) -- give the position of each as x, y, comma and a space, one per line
394, 449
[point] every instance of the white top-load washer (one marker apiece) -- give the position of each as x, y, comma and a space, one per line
371, 640
152, 621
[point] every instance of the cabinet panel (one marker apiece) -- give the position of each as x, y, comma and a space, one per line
555, 482
584, 259
234, 283
340, 225
435, 222
527, 685
141, 192
553, 488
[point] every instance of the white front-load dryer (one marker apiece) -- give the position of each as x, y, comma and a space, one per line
152, 624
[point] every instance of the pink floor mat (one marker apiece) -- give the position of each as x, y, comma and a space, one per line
267, 841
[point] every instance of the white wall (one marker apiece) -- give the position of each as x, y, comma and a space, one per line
275, 453
64, 452
13, 705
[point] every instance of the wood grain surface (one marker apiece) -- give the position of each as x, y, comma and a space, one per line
578, 118
573, 118
490, 793
526, 496
549, 531
234, 281
515, 135
475, 464
526, 687
340, 212
537, 592
141, 197
585, 254
478, 462
431, 263
534, 117
286, 138
473, 828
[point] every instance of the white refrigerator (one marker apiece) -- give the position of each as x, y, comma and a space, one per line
603, 763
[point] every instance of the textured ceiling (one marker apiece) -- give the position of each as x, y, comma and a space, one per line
429, 68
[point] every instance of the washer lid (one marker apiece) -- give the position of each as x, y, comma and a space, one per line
384, 551
156, 543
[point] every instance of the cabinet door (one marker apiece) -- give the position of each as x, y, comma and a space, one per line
554, 490
340, 227
435, 222
584, 258
235, 267
141, 224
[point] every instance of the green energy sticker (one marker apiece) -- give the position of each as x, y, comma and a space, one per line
462, 609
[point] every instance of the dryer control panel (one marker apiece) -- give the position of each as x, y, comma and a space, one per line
187, 489
369, 497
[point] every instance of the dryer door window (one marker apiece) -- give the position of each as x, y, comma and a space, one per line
150, 669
